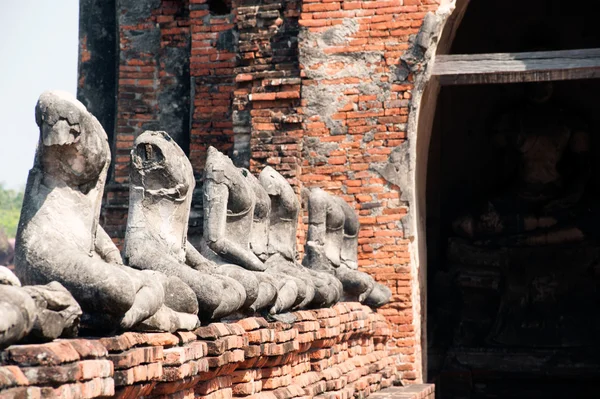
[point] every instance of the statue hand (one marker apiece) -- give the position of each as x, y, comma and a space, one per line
114, 257
560, 204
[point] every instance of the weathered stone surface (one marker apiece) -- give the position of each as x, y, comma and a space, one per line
131, 339
229, 203
323, 289
78, 371
8, 278
180, 355
140, 373
292, 291
57, 311
332, 246
59, 236
188, 369
161, 186
19, 313
221, 345
88, 349
50, 354
11, 376
136, 356
40, 313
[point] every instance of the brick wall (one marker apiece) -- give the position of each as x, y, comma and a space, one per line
329, 353
314, 88
212, 63
355, 98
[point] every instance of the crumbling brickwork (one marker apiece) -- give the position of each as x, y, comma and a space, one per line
355, 99
318, 89
212, 63
330, 353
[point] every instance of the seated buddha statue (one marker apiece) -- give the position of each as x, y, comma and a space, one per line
535, 231
229, 203
547, 153
160, 195
324, 289
332, 244
60, 238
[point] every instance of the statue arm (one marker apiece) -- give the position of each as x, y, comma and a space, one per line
215, 220
195, 259
106, 248
317, 216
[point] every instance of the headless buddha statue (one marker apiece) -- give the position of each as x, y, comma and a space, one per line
229, 203
292, 292
59, 237
280, 251
160, 196
332, 244
549, 151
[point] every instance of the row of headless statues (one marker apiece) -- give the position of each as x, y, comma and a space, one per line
246, 263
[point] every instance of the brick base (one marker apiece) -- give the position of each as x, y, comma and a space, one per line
336, 353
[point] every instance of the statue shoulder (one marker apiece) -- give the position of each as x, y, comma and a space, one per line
216, 173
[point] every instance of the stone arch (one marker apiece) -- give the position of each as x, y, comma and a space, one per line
436, 37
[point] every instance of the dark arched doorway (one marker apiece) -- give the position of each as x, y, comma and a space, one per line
512, 194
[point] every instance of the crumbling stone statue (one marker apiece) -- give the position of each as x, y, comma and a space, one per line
229, 203
35, 313
160, 195
280, 254
291, 291
59, 238
332, 246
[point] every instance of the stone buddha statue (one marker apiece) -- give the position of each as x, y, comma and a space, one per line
229, 203
547, 155
331, 246
36, 312
160, 195
59, 237
280, 251
533, 232
291, 291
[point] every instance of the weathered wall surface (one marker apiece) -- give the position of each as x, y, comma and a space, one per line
329, 353
356, 91
322, 90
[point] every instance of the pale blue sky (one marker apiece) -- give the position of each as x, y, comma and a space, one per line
38, 51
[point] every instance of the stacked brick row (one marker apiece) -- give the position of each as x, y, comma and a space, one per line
355, 98
327, 353
267, 124
212, 63
62, 369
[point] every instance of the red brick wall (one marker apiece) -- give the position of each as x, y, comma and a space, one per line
350, 56
212, 71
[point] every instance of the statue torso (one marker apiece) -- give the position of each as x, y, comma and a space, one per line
541, 138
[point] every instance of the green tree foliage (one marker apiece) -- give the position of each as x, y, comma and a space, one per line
10, 209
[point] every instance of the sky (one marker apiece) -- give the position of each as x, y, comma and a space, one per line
38, 52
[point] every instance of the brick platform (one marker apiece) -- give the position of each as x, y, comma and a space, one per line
336, 353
